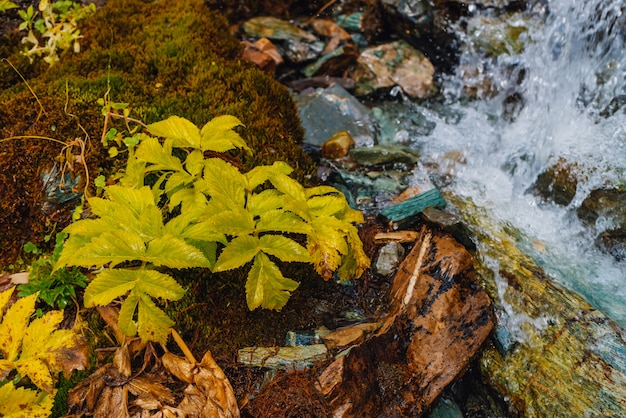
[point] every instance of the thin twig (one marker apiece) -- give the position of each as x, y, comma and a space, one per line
320, 11
41, 108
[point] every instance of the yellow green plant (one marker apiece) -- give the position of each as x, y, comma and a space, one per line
176, 207
7, 5
32, 351
53, 28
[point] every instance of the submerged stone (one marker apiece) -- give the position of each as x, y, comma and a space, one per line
557, 184
334, 62
426, 26
608, 204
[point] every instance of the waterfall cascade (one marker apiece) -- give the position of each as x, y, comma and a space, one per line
559, 92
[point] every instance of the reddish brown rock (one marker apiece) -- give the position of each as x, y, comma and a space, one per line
439, 320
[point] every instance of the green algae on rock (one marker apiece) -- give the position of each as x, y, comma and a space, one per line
567, 358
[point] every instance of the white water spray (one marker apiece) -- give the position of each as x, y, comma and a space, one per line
569, 91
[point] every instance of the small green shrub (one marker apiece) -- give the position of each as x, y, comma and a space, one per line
56, 288
176, 206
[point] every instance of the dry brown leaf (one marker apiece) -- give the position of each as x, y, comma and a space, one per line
178, 366
112, 403
74, 358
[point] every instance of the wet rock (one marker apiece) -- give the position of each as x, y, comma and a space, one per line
438, 321
351, 22
613, 241
451, 222
300, 51
605, 205
330, 110
263, 53
394, 64
397, 126
330, 29
322, 81
557, 184
426, 26
338, 145
567, 356
499, 34
384, 154
273, 28
334, 62
389, 257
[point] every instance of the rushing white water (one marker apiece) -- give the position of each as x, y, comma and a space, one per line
572, 69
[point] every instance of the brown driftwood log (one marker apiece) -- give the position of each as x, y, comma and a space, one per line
438, 321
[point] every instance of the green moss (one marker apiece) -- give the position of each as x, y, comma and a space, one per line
162, 58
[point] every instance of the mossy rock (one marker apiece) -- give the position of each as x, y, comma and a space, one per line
558, 183
163, 58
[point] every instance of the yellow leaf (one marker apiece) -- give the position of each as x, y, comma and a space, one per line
14, 325
24, 403
4, 299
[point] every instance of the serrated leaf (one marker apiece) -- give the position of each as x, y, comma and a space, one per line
14, 326
158, 285
203, 231
127, 312
134, 174
4, 299
110, 247
261, 174
37, 371
235, 222
217, 135
188, 198
194, 163
326, 247
158, 156
108, 285
178, 180
287, 185
281, 221
225, 183
267, 200
135, 199
284, 248
237, 253
21, 402
266, 287
174, 252
182, 131
327, 205
152, 323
